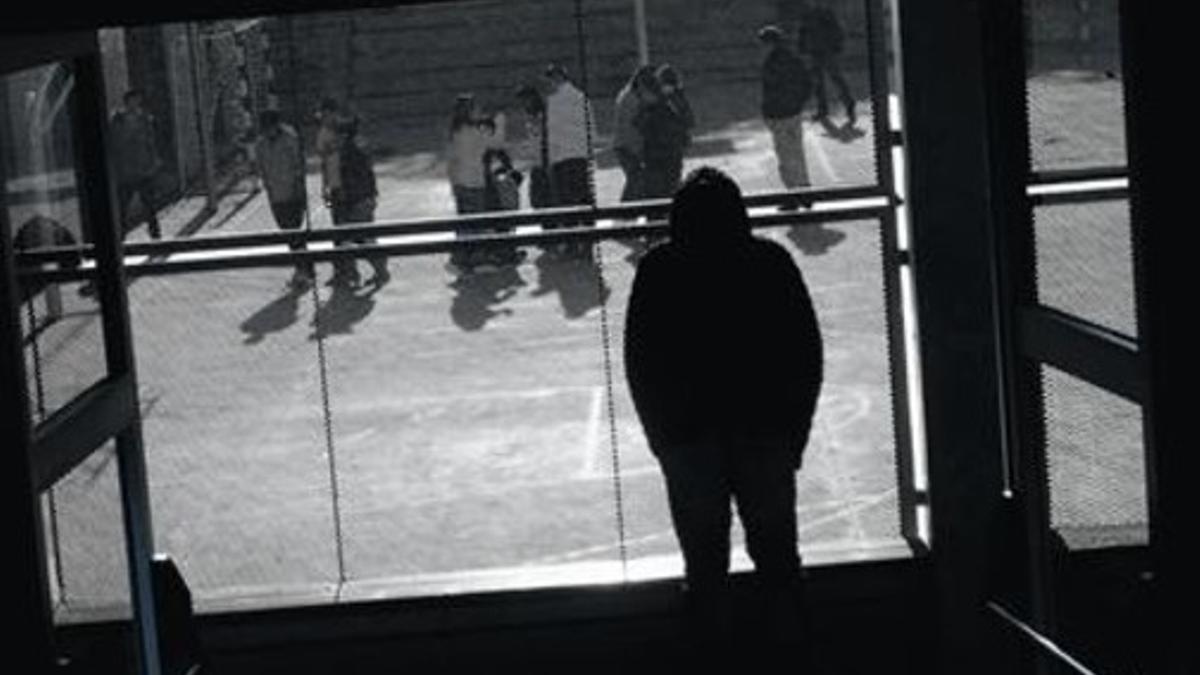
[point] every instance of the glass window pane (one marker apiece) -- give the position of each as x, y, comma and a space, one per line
234, 435
1085, 262
1075, 85
64, 342
85, 542
1097, 467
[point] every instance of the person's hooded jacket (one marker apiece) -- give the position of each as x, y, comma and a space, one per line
721, 337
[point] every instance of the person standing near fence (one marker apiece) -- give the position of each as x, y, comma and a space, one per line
279, 158
821, 37
666, 122
137, 163
627, 138
727, 402
326, 145
353, 201
568, 127
471, 136
786, 85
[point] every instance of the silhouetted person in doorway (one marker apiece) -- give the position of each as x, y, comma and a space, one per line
724, 360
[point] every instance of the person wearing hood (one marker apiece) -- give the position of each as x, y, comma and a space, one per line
724, 360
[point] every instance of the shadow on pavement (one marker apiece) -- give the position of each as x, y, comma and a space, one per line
576, 281
478, 294
815, 239
276, 316
345, 307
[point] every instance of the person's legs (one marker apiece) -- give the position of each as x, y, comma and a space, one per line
818, 84
698, 494
764, 487
788, 137
145, 190
467, 200
345, 271
290, 216
834, 70
574, 189
631, 165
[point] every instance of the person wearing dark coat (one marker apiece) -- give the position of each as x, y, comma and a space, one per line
821, 37
724, 360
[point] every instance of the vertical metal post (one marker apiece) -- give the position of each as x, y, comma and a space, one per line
892, 261
948, 164
28, 607
639, 28
1014, 277
100, 215
202, 125
1163, 263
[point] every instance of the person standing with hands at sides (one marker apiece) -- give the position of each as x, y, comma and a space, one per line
568, 127
627, 138
786, 86
137, 162
279, 158
727, 405
353, 202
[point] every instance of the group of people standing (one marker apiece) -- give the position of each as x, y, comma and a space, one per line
348, 185
559, 124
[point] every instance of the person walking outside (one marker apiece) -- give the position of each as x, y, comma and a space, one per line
137, 163
726, 402
785, 89
279, 158
821, 37
568, 127
627, 138
353, 201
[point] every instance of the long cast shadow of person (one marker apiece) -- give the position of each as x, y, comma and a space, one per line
274, 317
477, 296
577, 281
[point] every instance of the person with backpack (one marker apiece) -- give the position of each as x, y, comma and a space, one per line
352, 201
820, 36
786, 85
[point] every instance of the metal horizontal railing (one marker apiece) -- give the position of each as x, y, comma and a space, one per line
411, 237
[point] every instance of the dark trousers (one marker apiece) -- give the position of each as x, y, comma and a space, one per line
144, 189
290, 216
702, 480
359, 212
826, 65
571, 185
633, 168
